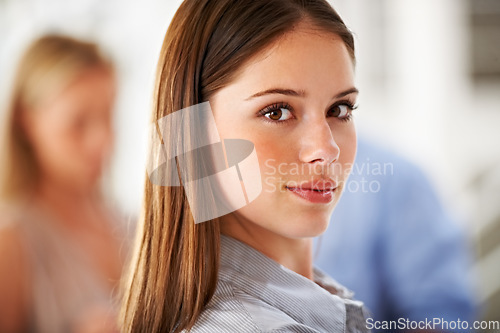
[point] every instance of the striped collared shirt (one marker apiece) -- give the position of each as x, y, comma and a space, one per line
255, 294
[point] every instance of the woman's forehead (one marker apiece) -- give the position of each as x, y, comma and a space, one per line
303, 61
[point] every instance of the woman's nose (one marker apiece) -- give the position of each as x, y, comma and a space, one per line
317, 144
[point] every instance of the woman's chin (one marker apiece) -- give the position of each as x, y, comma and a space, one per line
306, 228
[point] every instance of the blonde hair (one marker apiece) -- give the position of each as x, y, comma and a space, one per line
48, 65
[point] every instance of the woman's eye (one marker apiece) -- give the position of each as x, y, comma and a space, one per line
340, 111
279, 114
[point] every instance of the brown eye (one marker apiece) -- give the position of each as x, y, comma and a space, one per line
339, 111
277, 114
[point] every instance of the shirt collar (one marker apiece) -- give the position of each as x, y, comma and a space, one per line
259, 276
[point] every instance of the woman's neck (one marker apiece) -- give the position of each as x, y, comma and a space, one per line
72, 206
294, 254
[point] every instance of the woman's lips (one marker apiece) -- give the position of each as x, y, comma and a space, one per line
314, 196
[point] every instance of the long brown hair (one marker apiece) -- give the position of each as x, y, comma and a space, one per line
174, 272
48, 65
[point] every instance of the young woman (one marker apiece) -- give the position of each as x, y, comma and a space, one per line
280, 74
60, 246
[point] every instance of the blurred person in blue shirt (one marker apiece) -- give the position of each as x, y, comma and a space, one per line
392, 242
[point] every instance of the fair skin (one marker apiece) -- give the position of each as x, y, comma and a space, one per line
75, 123
307, 125
70, 132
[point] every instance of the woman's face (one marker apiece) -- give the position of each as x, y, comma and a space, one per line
71, 132
294, 102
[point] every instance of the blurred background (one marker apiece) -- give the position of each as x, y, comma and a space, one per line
428, 72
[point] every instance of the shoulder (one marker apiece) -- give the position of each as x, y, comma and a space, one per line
11, 233
12, 249
11, 239
231, 310
225, 313
13, 276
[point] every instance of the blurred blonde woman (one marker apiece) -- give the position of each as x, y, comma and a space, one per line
60, 252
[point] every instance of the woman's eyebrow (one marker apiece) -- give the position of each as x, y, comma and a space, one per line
297, 93
346, 92
281, 91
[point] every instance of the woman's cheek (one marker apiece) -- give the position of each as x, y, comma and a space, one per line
272, 159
